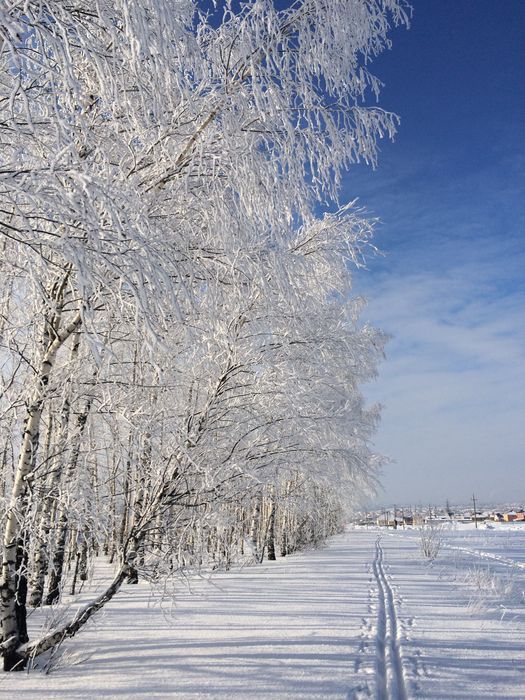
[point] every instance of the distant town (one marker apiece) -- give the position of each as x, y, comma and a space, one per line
395, 516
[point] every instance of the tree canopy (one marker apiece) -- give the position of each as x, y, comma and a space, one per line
180, 355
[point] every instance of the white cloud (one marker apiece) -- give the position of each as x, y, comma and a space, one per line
453, 386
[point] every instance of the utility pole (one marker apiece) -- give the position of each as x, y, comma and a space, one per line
475, 515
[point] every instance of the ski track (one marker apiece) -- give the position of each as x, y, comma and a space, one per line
486, 555
389, 666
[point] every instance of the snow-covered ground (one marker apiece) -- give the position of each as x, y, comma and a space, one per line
365, 617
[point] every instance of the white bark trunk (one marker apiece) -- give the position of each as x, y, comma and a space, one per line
25, 466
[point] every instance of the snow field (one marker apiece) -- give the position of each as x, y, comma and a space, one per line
365, 617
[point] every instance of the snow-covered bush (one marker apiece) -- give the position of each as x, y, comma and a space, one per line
489, 583
430, 540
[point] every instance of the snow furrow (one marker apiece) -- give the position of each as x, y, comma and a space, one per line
486, 555
389, 667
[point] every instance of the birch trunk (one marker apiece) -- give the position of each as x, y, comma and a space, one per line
48, 506
271, 529
140, 495
255, 526
15, 511
55, 578
41, 559
7, 467
39, 646
126, 495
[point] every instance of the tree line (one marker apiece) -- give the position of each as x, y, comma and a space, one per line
180, 353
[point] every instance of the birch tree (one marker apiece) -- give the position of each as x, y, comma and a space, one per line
161, 169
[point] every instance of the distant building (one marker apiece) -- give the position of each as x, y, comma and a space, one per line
513, 515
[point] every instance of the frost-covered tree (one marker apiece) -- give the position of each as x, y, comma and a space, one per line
174, 316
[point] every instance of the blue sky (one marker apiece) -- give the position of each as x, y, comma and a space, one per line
450, 289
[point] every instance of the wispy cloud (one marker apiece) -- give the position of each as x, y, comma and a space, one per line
451, 287
453, 386
451, 292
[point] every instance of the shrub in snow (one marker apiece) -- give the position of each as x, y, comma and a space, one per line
431, 539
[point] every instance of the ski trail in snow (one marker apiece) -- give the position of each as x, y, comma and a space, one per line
389, 667
486, 555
